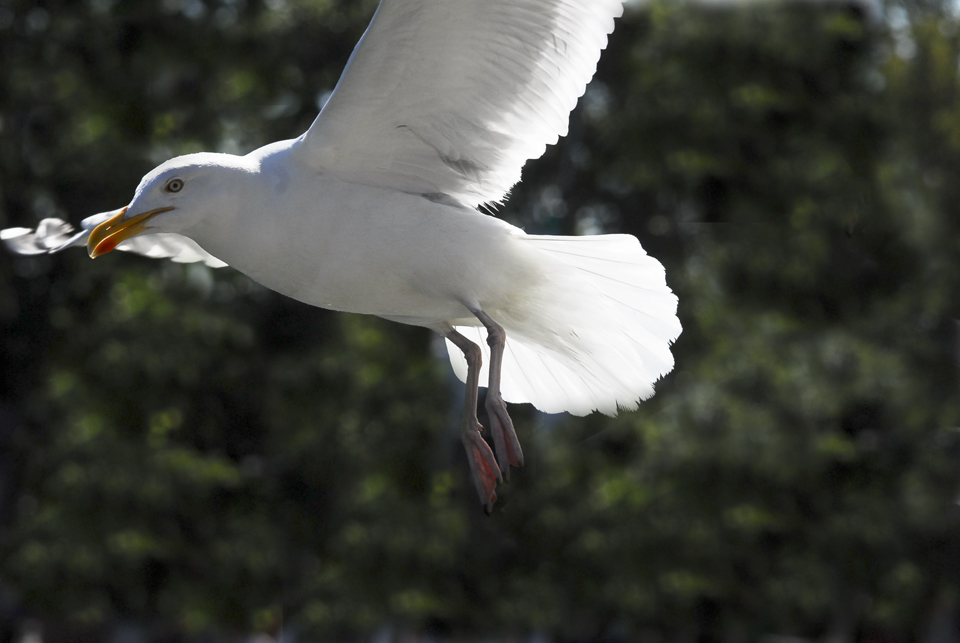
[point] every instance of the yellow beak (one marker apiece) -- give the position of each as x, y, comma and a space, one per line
112, 232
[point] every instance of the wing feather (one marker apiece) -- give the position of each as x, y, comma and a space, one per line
453, 97
53, 235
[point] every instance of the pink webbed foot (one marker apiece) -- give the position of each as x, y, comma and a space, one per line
505, 439
483, 467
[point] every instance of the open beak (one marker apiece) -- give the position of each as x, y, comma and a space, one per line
112, 232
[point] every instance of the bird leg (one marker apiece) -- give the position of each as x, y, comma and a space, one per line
501, 426
483, 466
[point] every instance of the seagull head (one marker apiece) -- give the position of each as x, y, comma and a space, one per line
173, 197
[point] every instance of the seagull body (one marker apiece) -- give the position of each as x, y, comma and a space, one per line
361, 249
374, 210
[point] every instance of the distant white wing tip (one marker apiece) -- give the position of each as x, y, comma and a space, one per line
13, 233
51, 235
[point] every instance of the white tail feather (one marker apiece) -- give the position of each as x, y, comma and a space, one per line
595, 335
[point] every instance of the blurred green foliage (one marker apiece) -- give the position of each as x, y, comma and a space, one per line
182, 449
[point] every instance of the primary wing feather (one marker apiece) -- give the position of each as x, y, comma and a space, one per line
452, 97
53, 235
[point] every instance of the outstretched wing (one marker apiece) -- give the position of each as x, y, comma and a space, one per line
54, 235
452, 97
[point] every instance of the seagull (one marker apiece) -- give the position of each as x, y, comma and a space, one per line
377, 209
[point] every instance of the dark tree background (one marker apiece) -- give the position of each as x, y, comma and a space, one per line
185, 455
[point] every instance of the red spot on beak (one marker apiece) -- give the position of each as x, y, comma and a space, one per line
105, 246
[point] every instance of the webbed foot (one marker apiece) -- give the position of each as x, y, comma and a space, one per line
483, 466
505, 439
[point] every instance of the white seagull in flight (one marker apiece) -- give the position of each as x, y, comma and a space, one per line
374, 210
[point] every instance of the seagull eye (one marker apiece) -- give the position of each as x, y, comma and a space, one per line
174, 185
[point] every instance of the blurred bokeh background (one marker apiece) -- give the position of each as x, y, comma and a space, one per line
186, 456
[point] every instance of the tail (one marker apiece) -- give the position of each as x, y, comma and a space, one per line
595, 335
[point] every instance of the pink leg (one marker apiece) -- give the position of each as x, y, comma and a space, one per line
483, 466
504, 436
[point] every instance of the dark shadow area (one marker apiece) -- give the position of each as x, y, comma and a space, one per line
187, 456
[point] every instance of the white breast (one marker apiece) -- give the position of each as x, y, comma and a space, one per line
363, 249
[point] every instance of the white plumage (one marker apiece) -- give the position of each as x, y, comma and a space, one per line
373, 210
598, 333
53, 235
453, 97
